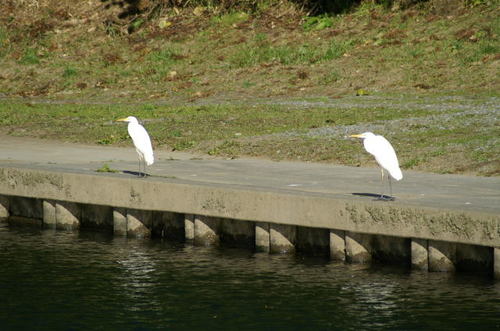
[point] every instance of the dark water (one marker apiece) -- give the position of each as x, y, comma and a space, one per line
64, 281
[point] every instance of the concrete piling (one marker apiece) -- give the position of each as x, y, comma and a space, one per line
358, 247
4, 207
97, 217
236, 233
120, 222
206, 231
419, 254
391, 250
262, 237
442, 256
496, 262
313, 241
139, 223
422, 254
26, 207
189, 227
337, 245
67, 216
473, 257
282, 238
49, 214
167, 225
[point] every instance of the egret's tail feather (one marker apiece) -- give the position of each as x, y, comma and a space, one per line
149, 159
397, 174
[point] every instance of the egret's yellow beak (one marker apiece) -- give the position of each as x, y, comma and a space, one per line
355, 136
121, 120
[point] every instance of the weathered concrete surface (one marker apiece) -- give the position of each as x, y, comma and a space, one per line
437, 207
358, 247
282, 238
262, 240
442, 256
206, 231
139, 223
337, 245
419, 254
67, 215
49, 214
189, 227
4, 207
496, 262
120, 221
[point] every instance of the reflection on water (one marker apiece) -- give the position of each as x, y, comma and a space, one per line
55, 280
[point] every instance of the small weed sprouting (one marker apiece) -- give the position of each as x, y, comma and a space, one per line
106, 168
165, 56
317, 23
231, 18
69, 72
247, 84
30, 56
330, 77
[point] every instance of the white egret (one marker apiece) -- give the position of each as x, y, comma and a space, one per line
385, 156
142, 142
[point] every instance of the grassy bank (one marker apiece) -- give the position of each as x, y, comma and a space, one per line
268, 82
437, 134
63, 50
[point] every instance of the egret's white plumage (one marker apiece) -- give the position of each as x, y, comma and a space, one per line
141, 140
383, 152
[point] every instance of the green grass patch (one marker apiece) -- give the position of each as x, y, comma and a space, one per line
69, 72
106, 168
231, 18
30, 57
317, 22
262, 52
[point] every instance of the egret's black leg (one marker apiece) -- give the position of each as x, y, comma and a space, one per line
382, 196
390, 197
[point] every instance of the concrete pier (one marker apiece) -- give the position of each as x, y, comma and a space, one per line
189, 227
337, 245
206, 232
442, 256
4, 208
120, 222
262, 240
67, 216
358, 247
49, 214
419, 254
139, 223
282, 238
272, 206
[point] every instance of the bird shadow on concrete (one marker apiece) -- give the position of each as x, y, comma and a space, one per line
375, 196
136, 173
